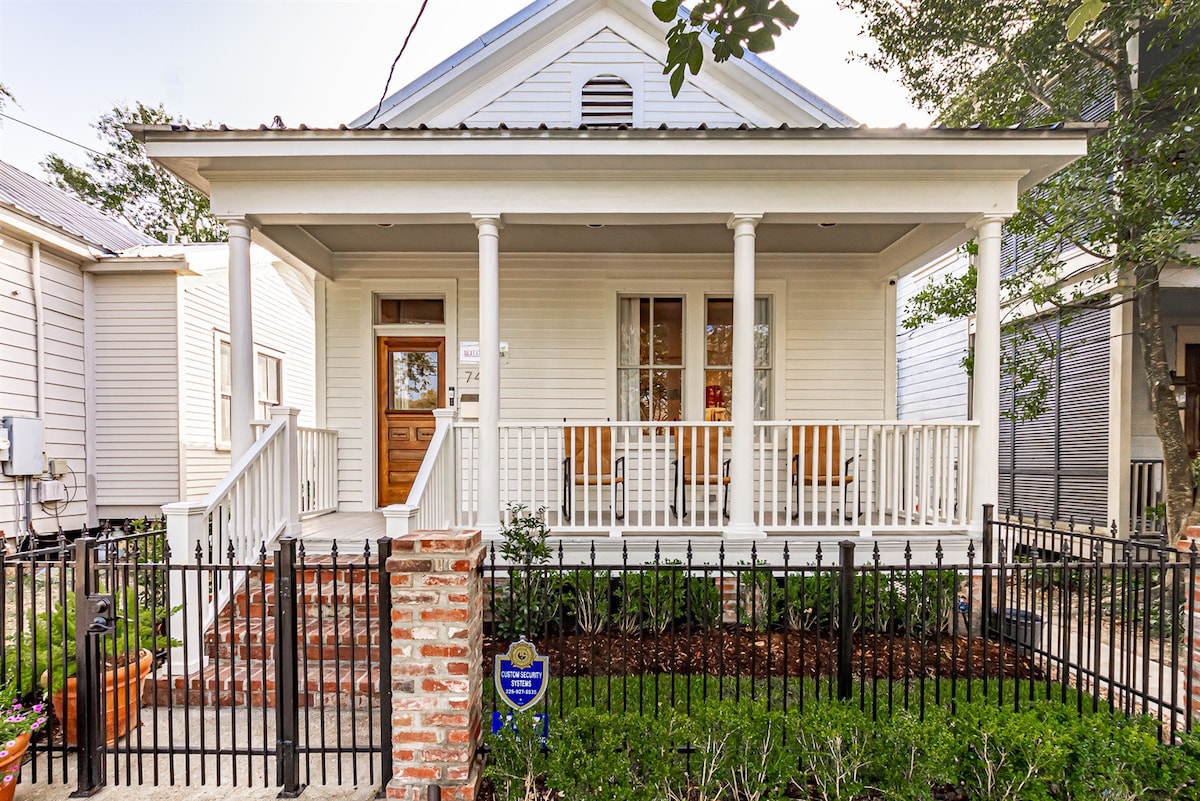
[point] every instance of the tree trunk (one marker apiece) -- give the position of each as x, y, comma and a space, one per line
1177, 470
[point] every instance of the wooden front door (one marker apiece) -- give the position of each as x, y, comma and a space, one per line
410, 373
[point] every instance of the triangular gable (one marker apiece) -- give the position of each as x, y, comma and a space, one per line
526, 72
551, 96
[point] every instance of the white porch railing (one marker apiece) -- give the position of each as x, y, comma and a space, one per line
317, 457
431, 502
675, 476
256, 503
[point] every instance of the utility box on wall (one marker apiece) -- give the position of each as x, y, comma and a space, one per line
26, 446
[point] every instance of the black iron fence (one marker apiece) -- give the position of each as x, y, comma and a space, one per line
199, 670
1034, 613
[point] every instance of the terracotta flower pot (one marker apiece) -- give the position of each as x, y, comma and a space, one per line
122, 700
11, 754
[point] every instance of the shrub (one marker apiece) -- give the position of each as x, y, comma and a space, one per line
835, 749
533, 596
651, 599
703, 600
591, 594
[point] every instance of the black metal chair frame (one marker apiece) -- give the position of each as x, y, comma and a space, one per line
617, 478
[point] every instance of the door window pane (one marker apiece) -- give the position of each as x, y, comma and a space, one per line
414, 380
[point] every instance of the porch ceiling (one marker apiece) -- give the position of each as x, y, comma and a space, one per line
842, 238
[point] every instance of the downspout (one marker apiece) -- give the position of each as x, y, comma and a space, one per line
40, 355
39, 328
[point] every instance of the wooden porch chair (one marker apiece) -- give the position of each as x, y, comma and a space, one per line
706, 468
829, 469
589, 463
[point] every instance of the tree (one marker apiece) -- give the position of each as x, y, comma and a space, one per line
734, 26
124, 183
1132, 203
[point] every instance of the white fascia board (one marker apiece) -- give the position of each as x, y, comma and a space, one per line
214, 153
835, 199
130, 265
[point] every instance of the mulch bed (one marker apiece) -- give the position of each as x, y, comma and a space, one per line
740, 651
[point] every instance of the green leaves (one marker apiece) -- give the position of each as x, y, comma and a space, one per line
124, 183
731, 27
1082, 16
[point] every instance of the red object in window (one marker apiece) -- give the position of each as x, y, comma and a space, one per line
714, 397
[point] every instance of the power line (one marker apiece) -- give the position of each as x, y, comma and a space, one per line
412, 29
50, 133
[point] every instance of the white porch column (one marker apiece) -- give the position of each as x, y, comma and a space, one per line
488, 226
985, 408
241, 339
741, 468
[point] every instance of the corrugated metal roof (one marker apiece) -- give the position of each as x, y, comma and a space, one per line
54, 207
601, 130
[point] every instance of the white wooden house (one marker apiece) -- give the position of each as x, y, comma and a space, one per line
544, 281
114, 342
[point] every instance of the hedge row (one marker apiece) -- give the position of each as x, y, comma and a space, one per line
832, 751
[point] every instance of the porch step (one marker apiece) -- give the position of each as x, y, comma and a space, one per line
253, 684
337, 619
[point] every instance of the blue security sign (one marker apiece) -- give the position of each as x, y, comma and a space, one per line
521, 675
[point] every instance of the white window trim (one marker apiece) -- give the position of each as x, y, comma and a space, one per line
222, 337
632, 74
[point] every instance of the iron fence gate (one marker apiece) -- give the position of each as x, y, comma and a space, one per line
199, 670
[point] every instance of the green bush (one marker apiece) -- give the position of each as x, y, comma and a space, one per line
738, 750
591, 599
532, 598
651, 599
704, 603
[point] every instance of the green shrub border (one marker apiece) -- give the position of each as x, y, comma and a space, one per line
740, 751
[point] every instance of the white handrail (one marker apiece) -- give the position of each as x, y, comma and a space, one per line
431, 500
237, 522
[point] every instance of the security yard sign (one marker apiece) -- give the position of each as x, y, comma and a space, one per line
521, 675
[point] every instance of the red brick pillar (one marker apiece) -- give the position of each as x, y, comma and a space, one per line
1192, 594
437, 663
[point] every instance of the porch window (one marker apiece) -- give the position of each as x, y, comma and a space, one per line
650, 359
268, 388
718, 359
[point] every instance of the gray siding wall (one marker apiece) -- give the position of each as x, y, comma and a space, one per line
64, 416
931, 382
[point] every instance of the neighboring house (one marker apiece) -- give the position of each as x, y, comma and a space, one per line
1093, 455
113, 341
650, 316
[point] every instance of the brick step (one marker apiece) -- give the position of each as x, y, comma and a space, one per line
253, 684
313, 631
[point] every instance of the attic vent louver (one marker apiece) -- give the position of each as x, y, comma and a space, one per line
607, 101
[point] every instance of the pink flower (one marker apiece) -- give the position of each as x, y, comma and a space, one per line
8, 777
38, 707
11, 744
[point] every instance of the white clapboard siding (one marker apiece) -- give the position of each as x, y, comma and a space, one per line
137, 393
555, 316
283, 327
64, 413
931, 383
550, 95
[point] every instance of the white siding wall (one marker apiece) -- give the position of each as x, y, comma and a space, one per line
64, 416
283, 327
931, 383
549, 95
558, 315
137, 393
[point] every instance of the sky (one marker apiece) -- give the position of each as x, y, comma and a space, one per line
241, 62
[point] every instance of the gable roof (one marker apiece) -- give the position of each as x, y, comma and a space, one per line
56, 208
750, 72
